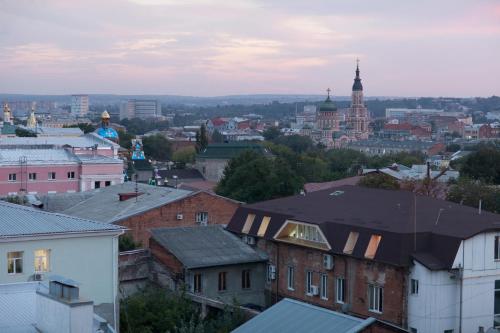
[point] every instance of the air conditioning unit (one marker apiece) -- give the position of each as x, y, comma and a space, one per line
271, 271
37, 277
314, 290
328, 261
180, 216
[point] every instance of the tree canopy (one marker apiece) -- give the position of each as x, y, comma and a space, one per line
184, 155
483, 165
201, 139
377, 180
157, 147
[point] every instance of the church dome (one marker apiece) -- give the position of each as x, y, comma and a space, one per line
328, 105
105, 115
107, 133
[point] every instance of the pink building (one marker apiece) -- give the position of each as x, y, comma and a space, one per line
57, 164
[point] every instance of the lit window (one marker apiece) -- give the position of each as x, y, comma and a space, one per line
197, 283
324, 286
351, 242
309, 283
263, 226
340, 298
32, 176
371, 250
307, 232
375, 296
71, 175
248, 223
222, 281
497, 247
202, 218
291, 278
245, 279
15, 262
42, 260
414, 287
12, 177
52, 176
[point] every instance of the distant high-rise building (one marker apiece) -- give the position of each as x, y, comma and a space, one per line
140, 108
79, 105
357, 116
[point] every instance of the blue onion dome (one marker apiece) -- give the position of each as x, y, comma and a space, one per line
105, 131
328, 105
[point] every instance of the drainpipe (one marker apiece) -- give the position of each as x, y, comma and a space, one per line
461, 279
277, 270
115, 278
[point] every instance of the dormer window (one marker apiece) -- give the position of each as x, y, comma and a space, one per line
351, 242
263, 226
371, 250
248, 223
302, 234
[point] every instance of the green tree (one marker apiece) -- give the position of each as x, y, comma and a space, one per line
271, 133
126, 243
21, 132
125, 139
483, 165
297, 143
217, 137
184, 155
201, 138
379, 180
469, 192
85, 127
157, 147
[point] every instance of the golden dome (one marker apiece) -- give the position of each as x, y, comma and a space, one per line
105, 115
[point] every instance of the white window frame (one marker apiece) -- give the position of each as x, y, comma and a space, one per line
340, 288
323, 286
71, 175
290, 278
51, 175
375, 298
32, 176
497, 248
201, 217
309, 283
39, 260
413, 287
15, 263
12, 177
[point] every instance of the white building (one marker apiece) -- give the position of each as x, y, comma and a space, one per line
140, 108
39, 246
79, 105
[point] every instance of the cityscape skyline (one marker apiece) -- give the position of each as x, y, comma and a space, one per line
214, 48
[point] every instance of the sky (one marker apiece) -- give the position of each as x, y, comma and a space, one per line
227, 47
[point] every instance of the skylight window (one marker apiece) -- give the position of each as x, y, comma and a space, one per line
371, 250
351, 242
248, 223
263, 226
337, 193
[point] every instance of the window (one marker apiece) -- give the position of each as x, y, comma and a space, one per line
97, 184
309, 279
197, 283
12, 177
447, 331
71, 175
222, 281
263, 226
52, 176
271, 272
248, 223
375, 296
371, 250
307, 232
414, 330
202, 217
107, 183
15, 262
414, 287
245, 279
290, 278
340, 290
42, 260
351, 242
496, 309
32, 176
324, 286
497, 248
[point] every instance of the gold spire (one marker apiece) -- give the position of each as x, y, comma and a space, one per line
31, 123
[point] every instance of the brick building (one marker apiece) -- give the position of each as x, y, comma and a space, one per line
149, 207
391, 255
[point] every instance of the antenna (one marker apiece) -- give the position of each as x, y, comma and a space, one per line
480, 206
439, 215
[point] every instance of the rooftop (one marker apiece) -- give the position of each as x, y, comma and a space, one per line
229, 150
197, 247
292, 316
17, 220
36, 156
103, 204
394, 215
86, 140
408, 144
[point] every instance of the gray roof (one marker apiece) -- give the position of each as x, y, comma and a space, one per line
103, 204
198, 247
408, 144
17, 220
297, 317
36, 156
86, 140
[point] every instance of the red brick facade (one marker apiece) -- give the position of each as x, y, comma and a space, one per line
219, 209
357, 274
165, 257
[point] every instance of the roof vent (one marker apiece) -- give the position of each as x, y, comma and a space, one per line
337, 193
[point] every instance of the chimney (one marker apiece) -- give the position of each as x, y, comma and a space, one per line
128, 195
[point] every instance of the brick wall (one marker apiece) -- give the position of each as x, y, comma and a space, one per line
357, 273
220, 210
165, 257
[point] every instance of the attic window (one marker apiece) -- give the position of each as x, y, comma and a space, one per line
263, 226
351, 242
371, 250
248, 223
337, 193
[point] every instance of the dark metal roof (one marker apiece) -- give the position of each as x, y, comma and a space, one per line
357, 86
327, 106
181, 174
197, 247
440, 225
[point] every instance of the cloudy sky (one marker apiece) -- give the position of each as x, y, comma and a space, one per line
222, 47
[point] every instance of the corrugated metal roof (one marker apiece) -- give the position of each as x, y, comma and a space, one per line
209, 246
17, 220
87, 140
297, 317
36, 156
17, 307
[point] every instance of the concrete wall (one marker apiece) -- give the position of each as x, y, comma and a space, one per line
211, 169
